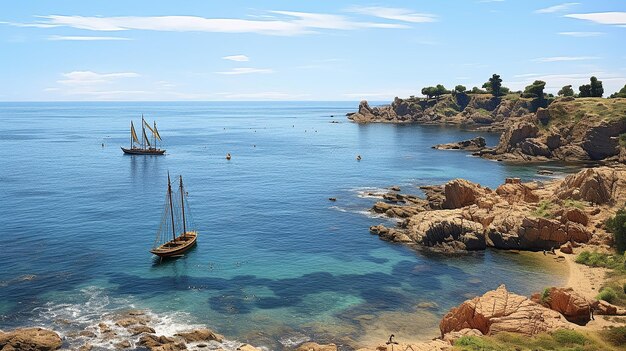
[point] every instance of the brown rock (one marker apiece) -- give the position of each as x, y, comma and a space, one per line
312, 346
247, 347
577, 232
567, 248
596, 185
460, 193
516, 133
516, 192
203, 334
501, 311
123, 345
86, 347
135, 320
576, 215
455, 335
475, 144
87, 334
138, 329
30, 339
569, 303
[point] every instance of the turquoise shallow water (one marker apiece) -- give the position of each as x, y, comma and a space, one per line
275, 262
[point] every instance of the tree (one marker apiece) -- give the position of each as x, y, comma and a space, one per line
596, 87
429, 92
617, 225
535, 89
477, 90
440, 90
585, 90
494, 85
620, 94
459, 89
566, 91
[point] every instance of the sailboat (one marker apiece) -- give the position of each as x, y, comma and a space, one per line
174, 237
144, 147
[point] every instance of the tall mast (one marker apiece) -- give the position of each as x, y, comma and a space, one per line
131, 134
169, 194
154, 135
182, 205
143, 132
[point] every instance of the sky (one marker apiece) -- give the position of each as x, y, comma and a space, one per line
203, 50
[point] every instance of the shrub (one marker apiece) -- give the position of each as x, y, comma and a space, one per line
545, 296
617, 225
607, 294
615, 335
597, 259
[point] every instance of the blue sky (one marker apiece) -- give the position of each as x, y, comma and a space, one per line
301, 50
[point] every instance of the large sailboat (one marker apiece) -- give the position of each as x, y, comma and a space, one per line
174, 225
144, 147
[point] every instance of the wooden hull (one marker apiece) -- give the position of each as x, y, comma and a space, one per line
135, 151
176, 246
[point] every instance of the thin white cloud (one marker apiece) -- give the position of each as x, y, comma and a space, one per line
611, 18
280, 23
93, 78
565, 58
581, 34
83, 38
611, 81
237, 58
246, 70
269, 95
392, 13
557, 8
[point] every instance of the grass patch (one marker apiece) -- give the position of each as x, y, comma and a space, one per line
598, 259
544, 210
614, 289
622, 139
574, 203
561, 340
616, 336
545, 296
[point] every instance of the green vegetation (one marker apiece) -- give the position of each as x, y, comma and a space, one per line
617, 226
535, 90
561, 340
566, 91
569, 203
459, 89
494, 86
435, 91
614, 289
477, 90
607, 294
594, 89
616, 336
592, 109
622, 140
545, 296
620, 94
544, 210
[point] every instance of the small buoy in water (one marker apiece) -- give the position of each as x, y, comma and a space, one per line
358, 157
254, 145
332, 198
228, 156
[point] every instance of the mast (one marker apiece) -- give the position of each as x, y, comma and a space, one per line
143, 132
182, 205
169, 195
155, 137
131, 134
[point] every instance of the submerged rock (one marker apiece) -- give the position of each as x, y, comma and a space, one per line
478, 143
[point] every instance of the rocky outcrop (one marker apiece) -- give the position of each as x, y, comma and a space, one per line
595, 185
501, 311
514, 191
460, 193
476, 144
30, 339
203, 334
312, 346
567, 302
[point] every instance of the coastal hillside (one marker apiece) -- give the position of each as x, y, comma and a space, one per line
533, 129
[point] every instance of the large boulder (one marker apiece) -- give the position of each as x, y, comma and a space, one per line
446, 230
460, 193
202, 334
30, 339
478, 143
514, 191
596, 185
501, 311
534, 147
601, 141
515, 134
569, 303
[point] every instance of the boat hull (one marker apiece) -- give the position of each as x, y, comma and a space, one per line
176, 246
143, 151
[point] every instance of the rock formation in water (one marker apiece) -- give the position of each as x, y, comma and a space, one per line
461, 215
533, 130
30, 339
475, 144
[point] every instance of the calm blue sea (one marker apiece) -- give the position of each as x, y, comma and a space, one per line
276, 262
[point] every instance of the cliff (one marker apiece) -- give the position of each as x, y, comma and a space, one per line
533, 130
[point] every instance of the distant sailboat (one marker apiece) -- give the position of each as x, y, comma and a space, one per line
172, 224
144, 147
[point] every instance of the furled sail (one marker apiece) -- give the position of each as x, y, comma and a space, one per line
156, 132
133, 134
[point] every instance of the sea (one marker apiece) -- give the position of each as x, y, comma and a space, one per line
277, 263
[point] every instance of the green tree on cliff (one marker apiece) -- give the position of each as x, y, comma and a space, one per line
429, 92
494, 85
566, 91
441, 90
594, 89
620, 94
459, 89
535, 90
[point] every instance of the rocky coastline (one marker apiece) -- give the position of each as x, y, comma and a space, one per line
532, 130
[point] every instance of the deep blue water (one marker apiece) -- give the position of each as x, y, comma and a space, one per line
274, 256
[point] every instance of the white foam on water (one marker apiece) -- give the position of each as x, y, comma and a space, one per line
292, 341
